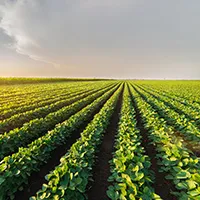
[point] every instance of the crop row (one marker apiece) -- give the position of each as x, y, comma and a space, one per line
18, 120
178, 162
69, 179
180, 122
10, 91
11, 141
188, 90
16, 80
8, 112
191, 114
189, 103
131, 177
44, 98
30, 90
16, 169
41, 92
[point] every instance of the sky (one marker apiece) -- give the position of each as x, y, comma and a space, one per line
152, 39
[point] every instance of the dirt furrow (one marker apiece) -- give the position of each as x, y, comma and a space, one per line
101, 170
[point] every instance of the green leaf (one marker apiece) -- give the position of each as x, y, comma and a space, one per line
156, 197
132, 197
185, 161
136, 168
64, 183
169, 177
78, 180
191, 184
21, 188
147, 191
54, 189
44, 186
117, 163
111, 192
72, 185
3, 167
123, 188
196, 177
81, 188
43, 195
147, 164
18, 172
55, 197
173, 158
181, 185
183, 175
2, 180
32, 198
71, 176
194, 193
139, 176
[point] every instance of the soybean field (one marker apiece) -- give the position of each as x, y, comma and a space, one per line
99, 139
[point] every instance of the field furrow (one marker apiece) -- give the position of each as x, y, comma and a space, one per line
177, 162
180, 122
16, 121
70, 178
189, 113
11, 141
40, 150
95, 139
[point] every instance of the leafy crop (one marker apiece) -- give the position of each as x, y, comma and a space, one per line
10, 142
69, 179
16, 169
131, 175
182, 166
38, 120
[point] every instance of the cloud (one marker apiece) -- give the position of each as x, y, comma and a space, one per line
101, 35
26, 22
49, 31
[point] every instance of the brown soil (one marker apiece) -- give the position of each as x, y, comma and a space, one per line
161, 185
191, 145
37, 179
101, 170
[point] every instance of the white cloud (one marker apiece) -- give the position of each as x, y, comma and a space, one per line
50, 30
97, 35
23, 21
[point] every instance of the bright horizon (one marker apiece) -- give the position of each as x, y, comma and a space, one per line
100, 39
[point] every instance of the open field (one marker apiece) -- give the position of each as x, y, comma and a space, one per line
96, 140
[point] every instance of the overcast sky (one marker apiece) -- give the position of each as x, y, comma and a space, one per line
100, 38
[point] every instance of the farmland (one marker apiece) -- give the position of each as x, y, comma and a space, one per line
99, 139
